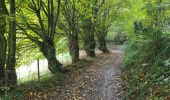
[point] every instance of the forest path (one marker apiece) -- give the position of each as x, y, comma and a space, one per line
99, 81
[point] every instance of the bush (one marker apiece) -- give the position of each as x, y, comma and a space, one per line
147, 68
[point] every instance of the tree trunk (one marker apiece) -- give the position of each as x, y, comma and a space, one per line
102, 45
3, 41
11, 60
49, 51
3, 47
45, 30
73, 42
89, 46
69, 12
89, 41
74, 47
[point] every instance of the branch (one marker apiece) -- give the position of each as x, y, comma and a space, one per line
36, 9
44, 8
58, 13
35, 28
32, 38
62, 27
4, 8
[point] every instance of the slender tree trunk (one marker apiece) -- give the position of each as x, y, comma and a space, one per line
49, 51
3, 47
74, 46
2, 56
3, 44
11, 60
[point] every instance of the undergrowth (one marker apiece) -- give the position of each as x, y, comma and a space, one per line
147, 58
27, 90
147, 71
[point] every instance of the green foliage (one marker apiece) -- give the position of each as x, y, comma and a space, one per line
146, 66
62, 45
18, 95
27, 52
147, 75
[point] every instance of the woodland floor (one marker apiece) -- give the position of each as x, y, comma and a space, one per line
99, 80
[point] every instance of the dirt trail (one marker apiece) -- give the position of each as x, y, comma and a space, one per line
99, 81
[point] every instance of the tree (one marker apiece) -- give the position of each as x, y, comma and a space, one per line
87, 27
108, 12
11, 59
44, 30
102, 13
70, 14
3, 41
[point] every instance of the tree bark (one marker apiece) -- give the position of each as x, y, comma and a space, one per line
3, 41
89, 46
89, 41
102, 45
74, 47
11, 60
3, 47
49, 51
101, 35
